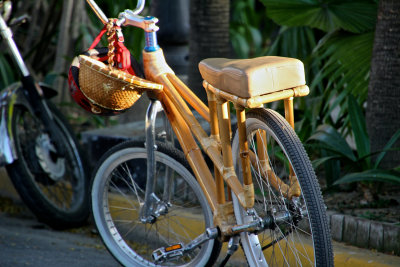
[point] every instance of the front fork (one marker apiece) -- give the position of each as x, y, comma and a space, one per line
36, 98
14, 95
153, 205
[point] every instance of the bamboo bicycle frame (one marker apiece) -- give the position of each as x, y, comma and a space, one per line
218, 145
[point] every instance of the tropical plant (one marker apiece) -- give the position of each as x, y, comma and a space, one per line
250, 30
338, 40
6, 72
362, 165
335, 45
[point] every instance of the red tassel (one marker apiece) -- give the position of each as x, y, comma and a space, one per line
122, 54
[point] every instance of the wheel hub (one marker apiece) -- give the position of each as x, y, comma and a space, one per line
49, 161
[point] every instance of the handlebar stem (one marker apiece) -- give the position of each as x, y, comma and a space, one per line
129, 18
148, 24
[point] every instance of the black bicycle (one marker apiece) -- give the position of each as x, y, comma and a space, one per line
38, 148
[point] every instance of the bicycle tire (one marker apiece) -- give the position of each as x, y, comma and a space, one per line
304, 239
55, 188
121, 176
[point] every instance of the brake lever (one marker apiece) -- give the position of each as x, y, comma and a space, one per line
20, 20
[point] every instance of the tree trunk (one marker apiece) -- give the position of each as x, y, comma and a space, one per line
73, 16
209, 37
383, 110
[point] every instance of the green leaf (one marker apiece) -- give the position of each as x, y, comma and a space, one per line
354, 16
240, 44
372, 176
6, 72
333, 141
316, 163
389, 144
345, 70
287, 43
255, 36
358, 126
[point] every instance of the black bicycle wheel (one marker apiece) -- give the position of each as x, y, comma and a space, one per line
55, 187
117, 195
298, 234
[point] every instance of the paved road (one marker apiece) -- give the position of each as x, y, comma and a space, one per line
25, 242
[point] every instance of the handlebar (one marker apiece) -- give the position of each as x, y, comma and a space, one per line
132, 18
103, 17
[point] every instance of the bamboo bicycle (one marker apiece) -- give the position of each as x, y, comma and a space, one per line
151, 209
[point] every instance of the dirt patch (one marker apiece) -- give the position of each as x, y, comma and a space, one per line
385, 207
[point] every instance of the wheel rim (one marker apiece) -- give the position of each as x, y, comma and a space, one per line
295, 245
118, 219
59, 180
52, 165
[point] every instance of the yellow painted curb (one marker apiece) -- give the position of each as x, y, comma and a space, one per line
349, 256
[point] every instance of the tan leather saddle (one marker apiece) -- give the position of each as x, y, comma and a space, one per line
248, 78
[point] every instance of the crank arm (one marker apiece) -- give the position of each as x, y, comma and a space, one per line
178, 250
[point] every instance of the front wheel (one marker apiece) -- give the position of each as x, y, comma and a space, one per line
181, 211
54, 186
298, 234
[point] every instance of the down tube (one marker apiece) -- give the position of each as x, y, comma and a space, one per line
192, 151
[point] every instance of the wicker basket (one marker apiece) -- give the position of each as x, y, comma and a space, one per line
111, 88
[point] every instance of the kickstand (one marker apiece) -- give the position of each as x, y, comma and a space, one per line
233, 245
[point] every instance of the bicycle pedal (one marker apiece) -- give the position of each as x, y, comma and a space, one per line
167, 253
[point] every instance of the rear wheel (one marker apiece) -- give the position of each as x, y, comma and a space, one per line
118, 193
53, 186
299, 233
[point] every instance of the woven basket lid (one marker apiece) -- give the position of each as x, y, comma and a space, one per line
117, 74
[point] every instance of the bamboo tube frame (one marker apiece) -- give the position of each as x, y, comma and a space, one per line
257, 101
209, 144
184, 124
244, 156
229, 174
191, 150
190, 97
289, 115
243, 144
212, 104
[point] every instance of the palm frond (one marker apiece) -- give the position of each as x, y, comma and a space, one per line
356, 16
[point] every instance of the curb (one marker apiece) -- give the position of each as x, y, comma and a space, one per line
363, 233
